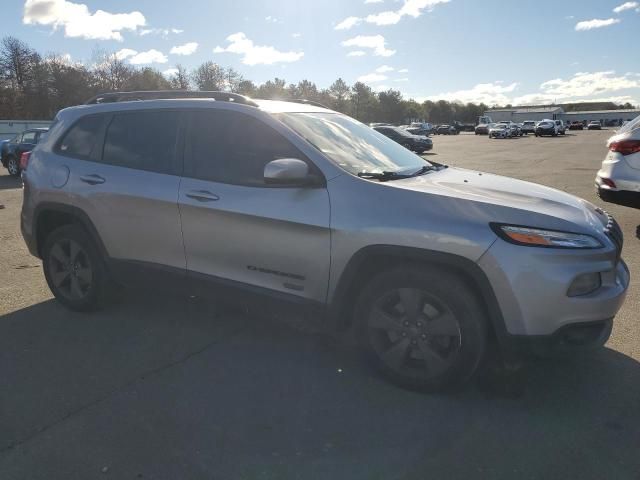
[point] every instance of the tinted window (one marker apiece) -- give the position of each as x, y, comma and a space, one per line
29, 137
231, 147
82, 138
142, 140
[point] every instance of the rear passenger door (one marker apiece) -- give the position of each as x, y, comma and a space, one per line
236, 228
126, 179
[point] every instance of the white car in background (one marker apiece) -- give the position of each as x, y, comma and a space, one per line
500, 130
619, 178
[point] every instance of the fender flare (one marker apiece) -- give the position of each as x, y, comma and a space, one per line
75, 212
339, 303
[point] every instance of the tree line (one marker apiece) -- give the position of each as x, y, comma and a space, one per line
35, 86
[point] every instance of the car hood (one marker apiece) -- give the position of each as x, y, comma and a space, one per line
509, 200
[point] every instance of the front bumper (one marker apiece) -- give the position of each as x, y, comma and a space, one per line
544, 131
531, 284
568, 339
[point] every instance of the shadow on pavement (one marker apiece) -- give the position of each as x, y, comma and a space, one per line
168, 388
7, 182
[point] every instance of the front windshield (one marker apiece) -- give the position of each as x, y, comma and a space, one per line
352, 145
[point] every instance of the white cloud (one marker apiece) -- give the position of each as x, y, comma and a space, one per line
595, 23
581, 87
256, 54
159, 31
170, 72
384, 69
141, 58
348, 23
377, 43
372, 77
626, 6
77, 21
150, 56
125, 53
584, 84
271, 19
403, 70
356, 53
489, 93
412, 8
296, 35
403, 79
384, 18
186, 49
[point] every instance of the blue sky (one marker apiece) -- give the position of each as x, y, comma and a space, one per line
470, 50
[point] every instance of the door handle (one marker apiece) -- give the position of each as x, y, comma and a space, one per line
203, 196
92, 179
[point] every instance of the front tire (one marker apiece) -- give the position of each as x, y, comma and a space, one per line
74, 270
421, 329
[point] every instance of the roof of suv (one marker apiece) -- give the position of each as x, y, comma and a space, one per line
186, 97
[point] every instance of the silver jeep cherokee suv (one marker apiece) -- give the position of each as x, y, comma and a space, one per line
431, 266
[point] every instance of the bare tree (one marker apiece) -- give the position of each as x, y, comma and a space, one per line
180, 79
110, 72
209, 76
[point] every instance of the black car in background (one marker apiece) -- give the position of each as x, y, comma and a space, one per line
576, 125
11, 151
546, 127
446, 130
415, 143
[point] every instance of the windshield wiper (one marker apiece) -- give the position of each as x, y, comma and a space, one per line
423, 170
383, 176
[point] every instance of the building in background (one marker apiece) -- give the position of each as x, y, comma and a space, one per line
607, 118
10, 128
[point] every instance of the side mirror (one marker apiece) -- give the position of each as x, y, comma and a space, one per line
288, 171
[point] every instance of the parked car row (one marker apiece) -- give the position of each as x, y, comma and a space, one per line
12, 150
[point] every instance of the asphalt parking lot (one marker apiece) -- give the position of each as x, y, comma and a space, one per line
162, 387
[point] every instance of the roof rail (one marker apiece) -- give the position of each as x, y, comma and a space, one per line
112, 97
308, 102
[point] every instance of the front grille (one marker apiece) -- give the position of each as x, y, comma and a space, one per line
614, 232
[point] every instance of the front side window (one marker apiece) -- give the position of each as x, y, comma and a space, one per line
352, 145
142, 140
230, 147
81, 140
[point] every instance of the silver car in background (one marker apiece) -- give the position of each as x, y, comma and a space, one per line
291, 204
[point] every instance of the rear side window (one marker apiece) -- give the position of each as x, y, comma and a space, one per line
142, 140
80, 141
29, 137
231, 147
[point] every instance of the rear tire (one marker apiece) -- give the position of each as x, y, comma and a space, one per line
75, 271
13, 166
421, 329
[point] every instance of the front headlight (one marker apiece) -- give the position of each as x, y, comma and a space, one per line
535, 237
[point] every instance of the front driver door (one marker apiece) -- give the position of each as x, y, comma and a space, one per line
236, 228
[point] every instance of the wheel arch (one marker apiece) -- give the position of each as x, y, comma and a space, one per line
50, 215
376, 258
